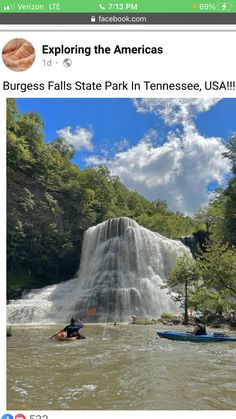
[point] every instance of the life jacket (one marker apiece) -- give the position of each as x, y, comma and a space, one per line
201, 330
73, 329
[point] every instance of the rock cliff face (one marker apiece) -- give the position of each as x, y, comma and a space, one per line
195, 240
44, 240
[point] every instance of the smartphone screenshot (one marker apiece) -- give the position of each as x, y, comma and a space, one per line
118, 228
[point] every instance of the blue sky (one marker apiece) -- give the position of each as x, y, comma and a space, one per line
163, 148
111, 120
220, 120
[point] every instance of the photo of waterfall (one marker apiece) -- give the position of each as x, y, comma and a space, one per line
100, 208
120, 231
123, 267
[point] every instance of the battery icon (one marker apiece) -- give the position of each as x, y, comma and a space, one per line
225, 6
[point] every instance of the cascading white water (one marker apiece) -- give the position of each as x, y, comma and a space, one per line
123, 266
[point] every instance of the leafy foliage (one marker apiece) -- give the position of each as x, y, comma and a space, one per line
218, 268
209, 301
186, 270
211, 217
209, 282
230, 194
184, 275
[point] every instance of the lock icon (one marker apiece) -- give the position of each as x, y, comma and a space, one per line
93, 19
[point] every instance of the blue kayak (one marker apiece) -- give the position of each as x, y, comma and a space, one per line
182, 336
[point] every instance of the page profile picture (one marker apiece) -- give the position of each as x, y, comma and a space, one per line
18, 54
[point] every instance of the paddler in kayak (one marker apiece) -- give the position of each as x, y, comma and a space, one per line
199, 328
72, 329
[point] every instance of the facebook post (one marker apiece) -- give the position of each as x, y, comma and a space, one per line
118, 259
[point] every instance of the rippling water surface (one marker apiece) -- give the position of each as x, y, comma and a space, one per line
118, 367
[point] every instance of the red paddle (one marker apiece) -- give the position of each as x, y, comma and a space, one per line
90, 312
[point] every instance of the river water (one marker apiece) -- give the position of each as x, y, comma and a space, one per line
117, 367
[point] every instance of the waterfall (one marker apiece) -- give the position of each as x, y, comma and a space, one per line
123, 267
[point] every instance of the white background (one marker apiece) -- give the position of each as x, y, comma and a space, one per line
187, 57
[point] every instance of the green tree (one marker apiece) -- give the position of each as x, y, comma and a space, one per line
185, 274
229, 223
231, 146
211, 217
63, 147
218, 269
209, 301
12, 115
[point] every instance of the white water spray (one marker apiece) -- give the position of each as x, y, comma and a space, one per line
123, 267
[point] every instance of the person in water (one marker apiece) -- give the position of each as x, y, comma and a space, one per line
199, 328
72, 329
232, 318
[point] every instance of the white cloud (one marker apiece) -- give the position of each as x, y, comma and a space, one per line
179, 170
175, 111
121, 145
79, 138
